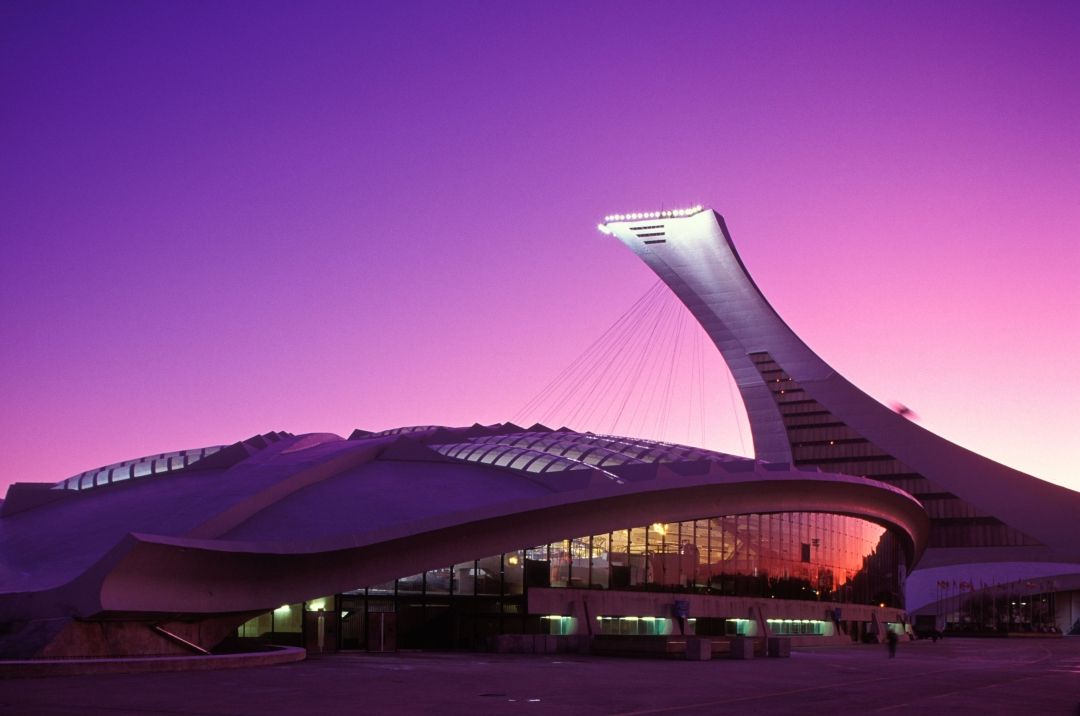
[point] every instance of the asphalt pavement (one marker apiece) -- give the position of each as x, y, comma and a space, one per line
953, 676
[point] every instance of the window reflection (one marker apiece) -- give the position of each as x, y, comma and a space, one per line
599, 564
793, 556
489, 575
465, 578
514, 573
437, 581
800, 556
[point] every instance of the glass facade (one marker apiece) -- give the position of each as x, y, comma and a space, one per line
555, 451
138, 467
800, 627
1017, 608
636, 626
285, 620
794, 555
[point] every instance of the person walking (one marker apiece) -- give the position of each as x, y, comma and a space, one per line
891, 639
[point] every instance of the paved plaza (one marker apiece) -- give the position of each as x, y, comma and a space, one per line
954, 676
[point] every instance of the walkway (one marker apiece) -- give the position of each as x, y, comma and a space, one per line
954, 676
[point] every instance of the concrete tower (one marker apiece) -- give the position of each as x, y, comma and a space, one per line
990, 524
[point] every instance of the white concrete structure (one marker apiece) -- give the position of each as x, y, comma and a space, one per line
991, 526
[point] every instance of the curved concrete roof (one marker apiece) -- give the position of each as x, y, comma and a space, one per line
270, 521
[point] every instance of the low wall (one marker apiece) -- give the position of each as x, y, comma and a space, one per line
31, 668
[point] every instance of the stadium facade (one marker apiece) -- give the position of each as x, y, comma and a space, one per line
501, 535
444, 537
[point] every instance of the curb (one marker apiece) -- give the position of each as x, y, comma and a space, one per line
36, 668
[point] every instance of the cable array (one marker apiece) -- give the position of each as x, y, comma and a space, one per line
653, 373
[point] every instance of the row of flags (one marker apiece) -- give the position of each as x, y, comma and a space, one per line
967, 586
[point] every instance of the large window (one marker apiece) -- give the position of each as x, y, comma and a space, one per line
791, 555
795, 555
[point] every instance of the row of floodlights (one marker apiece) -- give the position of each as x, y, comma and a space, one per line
654, 214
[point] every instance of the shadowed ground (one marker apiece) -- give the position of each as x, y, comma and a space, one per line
955, 676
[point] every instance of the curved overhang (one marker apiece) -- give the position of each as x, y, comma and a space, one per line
155, 573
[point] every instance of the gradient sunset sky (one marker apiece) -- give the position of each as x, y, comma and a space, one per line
224, 218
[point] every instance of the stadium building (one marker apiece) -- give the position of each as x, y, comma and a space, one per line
533, 538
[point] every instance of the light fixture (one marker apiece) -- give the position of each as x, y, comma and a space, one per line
662, 214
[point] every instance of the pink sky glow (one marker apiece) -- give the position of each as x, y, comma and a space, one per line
221, 219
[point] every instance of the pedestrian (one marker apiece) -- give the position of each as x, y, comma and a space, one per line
891, 638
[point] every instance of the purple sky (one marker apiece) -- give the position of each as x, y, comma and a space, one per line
226, 218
